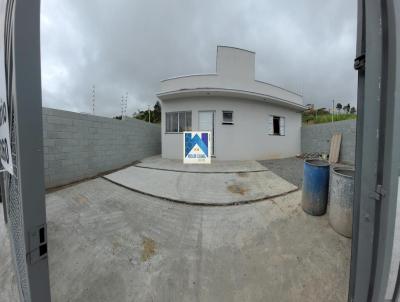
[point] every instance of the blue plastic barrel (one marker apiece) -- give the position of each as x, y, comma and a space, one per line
315, 187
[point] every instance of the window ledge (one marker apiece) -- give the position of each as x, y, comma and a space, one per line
227, 123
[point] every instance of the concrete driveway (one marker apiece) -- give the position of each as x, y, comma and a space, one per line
109, 243
220, 183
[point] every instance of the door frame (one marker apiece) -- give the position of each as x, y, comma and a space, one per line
377, 150
213, 130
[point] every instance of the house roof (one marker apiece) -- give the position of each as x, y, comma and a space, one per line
233, 93
235, 77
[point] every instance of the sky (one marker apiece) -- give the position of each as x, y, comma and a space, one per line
129, 46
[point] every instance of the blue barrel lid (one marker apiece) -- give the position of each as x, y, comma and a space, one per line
317, 162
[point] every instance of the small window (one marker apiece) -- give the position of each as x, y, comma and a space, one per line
227, 117
276, 125
177, 122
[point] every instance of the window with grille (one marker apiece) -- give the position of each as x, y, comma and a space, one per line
176, 122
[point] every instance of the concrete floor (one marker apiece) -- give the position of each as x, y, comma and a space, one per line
199, 188
290, 169
8, 283
107, 243
228, 166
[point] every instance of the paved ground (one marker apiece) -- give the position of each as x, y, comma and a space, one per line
107, 243
290, 169
203, 188
156, 162
8, 284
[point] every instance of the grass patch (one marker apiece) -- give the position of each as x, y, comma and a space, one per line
327, 118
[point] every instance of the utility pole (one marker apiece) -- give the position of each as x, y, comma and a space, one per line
126, 103
122, 107
93, 98
333, 109
148, 107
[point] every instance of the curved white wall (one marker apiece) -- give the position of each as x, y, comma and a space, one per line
235, 69
247, 139
216, 81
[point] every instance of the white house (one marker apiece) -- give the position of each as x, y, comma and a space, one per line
249, 119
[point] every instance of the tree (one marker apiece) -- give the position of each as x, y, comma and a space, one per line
155, 114
352, 110
347, 108
339, 106
141, 115
322, 111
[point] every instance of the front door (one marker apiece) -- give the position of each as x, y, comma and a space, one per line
206, 123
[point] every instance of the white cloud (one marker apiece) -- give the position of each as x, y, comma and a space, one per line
129, 46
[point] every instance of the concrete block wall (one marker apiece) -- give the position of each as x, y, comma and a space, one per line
78, 146
317, 138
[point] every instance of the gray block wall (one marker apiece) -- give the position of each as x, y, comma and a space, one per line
317, 138
78, 146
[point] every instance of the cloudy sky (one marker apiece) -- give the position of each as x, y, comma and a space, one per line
130, 45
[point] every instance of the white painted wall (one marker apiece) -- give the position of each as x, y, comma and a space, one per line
236, 64
235, 69
233, 87
247, 139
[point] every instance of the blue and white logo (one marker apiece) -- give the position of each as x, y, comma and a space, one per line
196, 147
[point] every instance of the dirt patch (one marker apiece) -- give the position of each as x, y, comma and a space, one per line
243, 174
81, 199
116, 245
237, 189
149, 249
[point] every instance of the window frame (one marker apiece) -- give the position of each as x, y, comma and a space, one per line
276, 125
271, 131
225, 122
178, 114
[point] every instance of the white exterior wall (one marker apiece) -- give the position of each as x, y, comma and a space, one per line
235, 69
247, 139
215, 81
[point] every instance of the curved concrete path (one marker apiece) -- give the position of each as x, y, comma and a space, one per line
221, 188
229, 166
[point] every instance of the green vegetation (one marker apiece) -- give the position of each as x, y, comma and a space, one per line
155, 114
327, 118
322, 115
